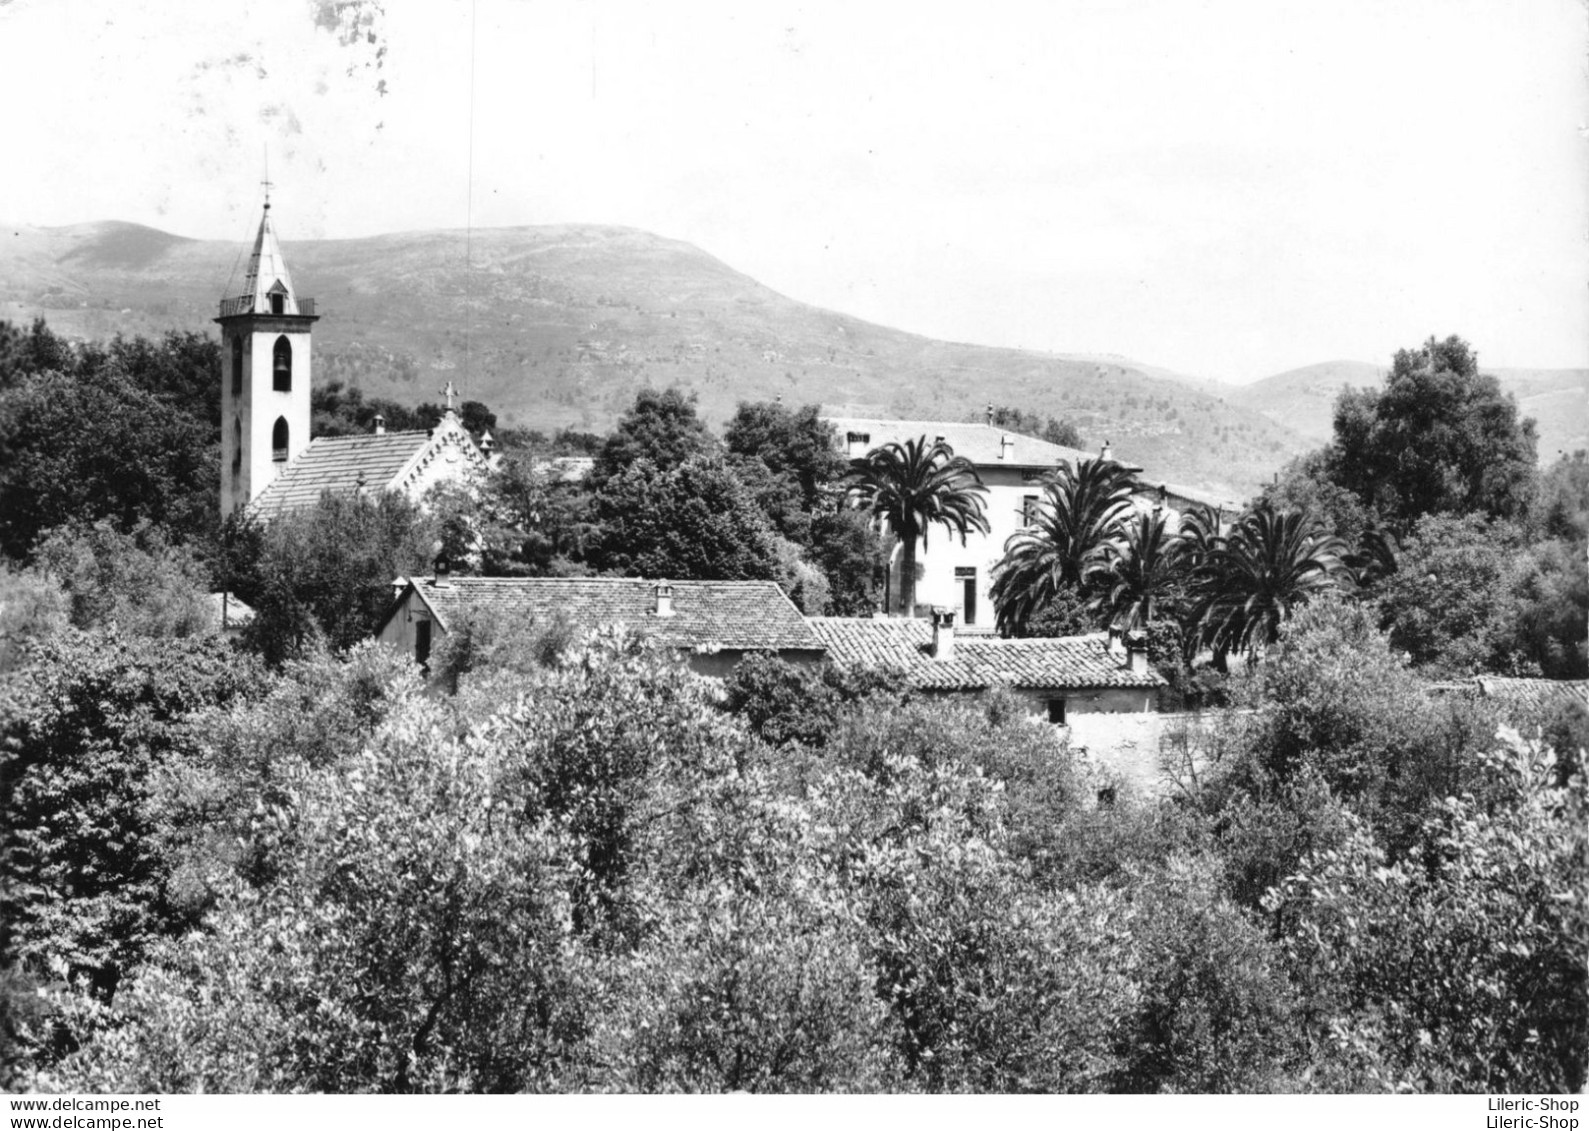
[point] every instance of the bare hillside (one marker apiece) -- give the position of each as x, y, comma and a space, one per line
561, 325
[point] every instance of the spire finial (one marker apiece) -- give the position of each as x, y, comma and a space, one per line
266, 182
450, 393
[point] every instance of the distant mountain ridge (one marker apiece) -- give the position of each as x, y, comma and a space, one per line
1304, 399
561, 325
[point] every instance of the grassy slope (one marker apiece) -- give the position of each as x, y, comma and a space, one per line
561, 325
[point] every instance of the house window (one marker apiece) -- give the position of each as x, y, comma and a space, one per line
281, 365
966, 578
1028, 510
278, 440
422, 643
237, 366
1056, 712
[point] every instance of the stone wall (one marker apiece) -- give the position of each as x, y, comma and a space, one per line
1133, 748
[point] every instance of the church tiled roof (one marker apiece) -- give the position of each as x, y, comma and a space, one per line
708, 616
335, 464
978, 662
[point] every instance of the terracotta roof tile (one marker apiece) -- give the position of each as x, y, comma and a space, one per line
335, 463
708, 615
1531, 693
978, 662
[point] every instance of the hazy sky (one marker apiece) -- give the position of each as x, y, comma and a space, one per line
1228, 189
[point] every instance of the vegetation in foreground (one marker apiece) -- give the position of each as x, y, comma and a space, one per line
571, 865
588, 869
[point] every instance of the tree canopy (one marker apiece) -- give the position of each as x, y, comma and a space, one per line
1440, 436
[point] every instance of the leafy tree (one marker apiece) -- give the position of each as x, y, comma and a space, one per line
412, 942
37, 349
661, 428
137, 581
1061, 432
1081, 510
181, 369
533, 524
1450, 606
1252, 578
1341, 730
98, 719
1551, 599
1439, 436
33, 607
796, 450
101, 447
1214, 1011
1562, 510
1304, 484
852, 555
325, 573
694, 521
783, 702
476, 417
1459, 968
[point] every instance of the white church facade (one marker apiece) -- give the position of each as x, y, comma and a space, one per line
270, 465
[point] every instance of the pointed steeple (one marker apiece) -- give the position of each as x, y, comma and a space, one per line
267, 288
265, 373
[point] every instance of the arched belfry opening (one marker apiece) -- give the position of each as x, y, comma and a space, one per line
278, 440
237, 365
281, 365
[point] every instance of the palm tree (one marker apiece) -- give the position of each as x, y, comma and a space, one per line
913, 487
1375, 557
1081, 510
1252, 578
1143, 567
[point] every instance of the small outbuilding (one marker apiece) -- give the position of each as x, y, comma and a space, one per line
712, 624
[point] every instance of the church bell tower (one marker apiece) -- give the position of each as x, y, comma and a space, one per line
264, 374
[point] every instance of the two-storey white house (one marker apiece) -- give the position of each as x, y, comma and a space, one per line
958, 577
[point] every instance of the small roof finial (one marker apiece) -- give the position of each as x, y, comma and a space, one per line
451, 394
266, 182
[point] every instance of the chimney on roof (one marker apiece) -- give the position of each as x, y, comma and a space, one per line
1136, 655
663, 594
380, 425
443, 571
1006, 446
943, 634
990, 416
1106, 453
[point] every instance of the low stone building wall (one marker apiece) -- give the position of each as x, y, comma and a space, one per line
1144, 752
